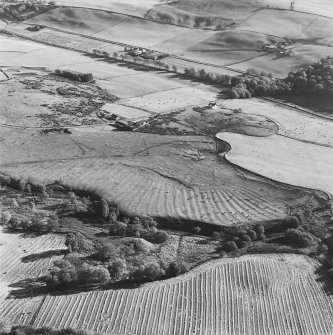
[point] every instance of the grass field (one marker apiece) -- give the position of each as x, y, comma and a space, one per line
282, 159
276, 294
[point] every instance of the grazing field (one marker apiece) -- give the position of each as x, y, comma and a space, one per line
291, 122
283, 159
16, 271
276, 294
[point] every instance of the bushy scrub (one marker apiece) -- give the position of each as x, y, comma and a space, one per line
65, 273
315, 80
75, 76
298, 238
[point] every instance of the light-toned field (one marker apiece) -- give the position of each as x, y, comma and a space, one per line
125, 112
291, 122
283, 159
276, 294
14, 271
171, 100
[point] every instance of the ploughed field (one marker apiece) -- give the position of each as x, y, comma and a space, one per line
275, 294
19, 266
161, 179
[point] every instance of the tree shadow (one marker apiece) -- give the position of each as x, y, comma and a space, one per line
27, 288
42, 255
102, 234
34, 287
325, 279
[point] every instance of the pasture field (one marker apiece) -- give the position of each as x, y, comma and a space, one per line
291, 122
276, 294
282, 159
15, 271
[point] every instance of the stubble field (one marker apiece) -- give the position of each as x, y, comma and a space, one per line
15, 272
249, 295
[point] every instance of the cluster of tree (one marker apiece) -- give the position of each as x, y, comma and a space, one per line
7, 329
38, 223
75, 271
153, 271
144, 227
214, 78
26, 186
256, 83
134, 59
75, 76
21, 10
244, 239
315, 79
297, 237
289, 222
65, 274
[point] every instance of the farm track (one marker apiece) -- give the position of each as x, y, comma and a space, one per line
143, 190
256, 295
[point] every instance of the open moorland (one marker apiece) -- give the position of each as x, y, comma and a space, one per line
157, 175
